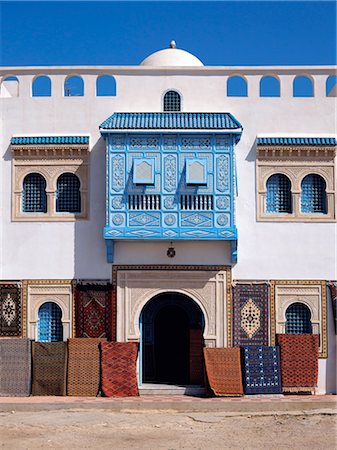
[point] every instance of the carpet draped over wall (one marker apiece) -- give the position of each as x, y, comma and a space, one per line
83, 377
15, 367
49, 368
10, 309
299, 361
94, 304
119, 372
223, 370
261, 368
333, 291
250, 314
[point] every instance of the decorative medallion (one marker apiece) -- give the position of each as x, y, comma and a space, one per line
8, 310
117, 219
169, 202
141, 219
222, 202
170, 219
222, 219
250, 318
196, 219
117, 202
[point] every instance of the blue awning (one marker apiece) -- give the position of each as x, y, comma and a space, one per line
43, 140
296, 141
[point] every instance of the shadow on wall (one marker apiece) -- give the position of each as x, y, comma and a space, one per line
330, 374
89, 246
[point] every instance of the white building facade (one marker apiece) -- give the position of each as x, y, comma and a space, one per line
182, 184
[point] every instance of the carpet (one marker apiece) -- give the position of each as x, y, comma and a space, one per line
119, 372
333, 291
49, 368
250, 314
93, 311
261, 369
299, 361
10, 310
223, 370
83, 377
15, 367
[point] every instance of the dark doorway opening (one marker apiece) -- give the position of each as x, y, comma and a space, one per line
172, 340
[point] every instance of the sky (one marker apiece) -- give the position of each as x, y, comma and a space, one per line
125, 32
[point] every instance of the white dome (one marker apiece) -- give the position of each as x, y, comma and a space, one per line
172, 57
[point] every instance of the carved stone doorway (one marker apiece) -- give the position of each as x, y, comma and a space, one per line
172, 327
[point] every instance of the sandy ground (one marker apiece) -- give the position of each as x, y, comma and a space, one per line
98, 429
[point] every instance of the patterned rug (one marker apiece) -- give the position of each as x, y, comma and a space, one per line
261, 368
93, 311
10, 309
119, 373
49, 368
83, 377
250, 314
333, 291
299, 361
15, 367
223, 369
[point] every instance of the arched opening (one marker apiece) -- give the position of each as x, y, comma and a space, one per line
34, 196
303, 87
41, 86
236, 86
10, 87
74, 86
298, 319
313, 195
105, 86
172, 101
172, 327
269, 86
50, 328
278, 195
331, 86
68, 195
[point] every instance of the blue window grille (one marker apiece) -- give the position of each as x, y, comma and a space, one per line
313, 195
34, 197
50, 327
68, 196
278, 197
298, 319
172, 101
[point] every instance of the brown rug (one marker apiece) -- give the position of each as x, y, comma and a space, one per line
15, 367
83, 378
223, 369
299, 361
49, 368
119, 372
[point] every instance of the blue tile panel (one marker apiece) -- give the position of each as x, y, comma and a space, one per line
261, 366
171, 120
43, 140
296, 141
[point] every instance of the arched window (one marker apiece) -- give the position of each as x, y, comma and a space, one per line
313, 195
298, 319
172, 101
236, 87
269, 87
50, 328
41, 87
74, 87
10, 87
34, 197
278, 196
105, 86
331, 86
68, 196
303, 87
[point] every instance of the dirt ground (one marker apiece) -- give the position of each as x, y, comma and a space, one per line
99, 429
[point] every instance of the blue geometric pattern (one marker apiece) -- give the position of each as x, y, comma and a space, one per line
172, 101
34, 197
278, 196
313, 196
261, 366
68, 196
42, 140
50, 328
296, 141
298, 319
